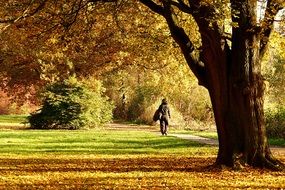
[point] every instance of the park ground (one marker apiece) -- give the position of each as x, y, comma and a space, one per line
119, 156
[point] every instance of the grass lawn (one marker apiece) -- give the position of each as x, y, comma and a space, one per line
117, 159
12, 118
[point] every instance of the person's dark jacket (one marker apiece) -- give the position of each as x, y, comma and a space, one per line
164, 110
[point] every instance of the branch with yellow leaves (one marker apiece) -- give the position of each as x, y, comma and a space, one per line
179, 35
272, 9
29, 11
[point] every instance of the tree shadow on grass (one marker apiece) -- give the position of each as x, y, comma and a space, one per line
114, 146
117, 165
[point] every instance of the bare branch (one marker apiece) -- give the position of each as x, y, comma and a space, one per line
72, 16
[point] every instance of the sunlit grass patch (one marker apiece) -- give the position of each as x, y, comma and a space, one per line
206, 134
95, 142
277, 142
12, 119
12, 122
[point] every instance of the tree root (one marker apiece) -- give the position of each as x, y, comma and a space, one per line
268, 162
275, 164
259, 161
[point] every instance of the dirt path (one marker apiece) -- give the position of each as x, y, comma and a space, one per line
198, 139
275, 149
279, 151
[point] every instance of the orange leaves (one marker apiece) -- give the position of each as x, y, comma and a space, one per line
129, 172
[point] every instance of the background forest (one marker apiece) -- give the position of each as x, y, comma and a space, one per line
134, 62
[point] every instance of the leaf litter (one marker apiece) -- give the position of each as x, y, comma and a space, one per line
129, 172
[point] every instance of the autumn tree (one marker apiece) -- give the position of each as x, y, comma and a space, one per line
228, 65
226, 61
46, 41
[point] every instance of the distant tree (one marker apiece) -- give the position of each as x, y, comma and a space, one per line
46, 41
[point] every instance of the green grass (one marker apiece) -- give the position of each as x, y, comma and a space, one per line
95, 142
12, 119
277, 142
18, 120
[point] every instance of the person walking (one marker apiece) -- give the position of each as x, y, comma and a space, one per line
164, 117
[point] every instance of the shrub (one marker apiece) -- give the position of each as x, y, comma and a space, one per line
72, 105
275, 122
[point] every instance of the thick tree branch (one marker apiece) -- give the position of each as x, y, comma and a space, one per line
271, 11
187, 47
179, 35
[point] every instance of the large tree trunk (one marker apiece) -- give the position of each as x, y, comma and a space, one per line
236, 89
239, 115
238, 110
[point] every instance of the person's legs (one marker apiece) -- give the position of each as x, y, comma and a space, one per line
161, 126
166, 126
